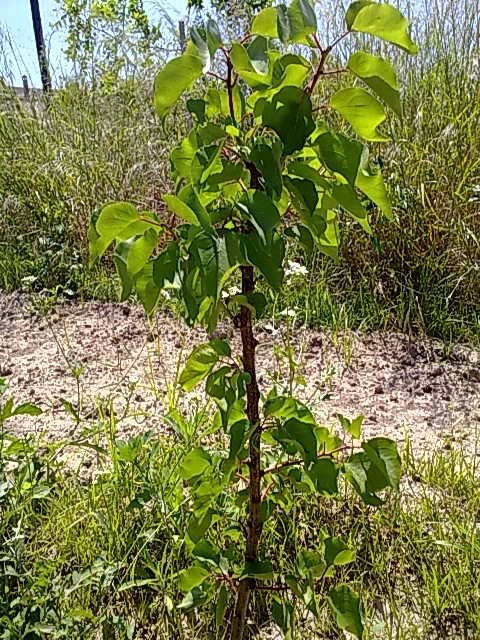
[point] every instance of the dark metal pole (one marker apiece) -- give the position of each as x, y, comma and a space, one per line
40, 43
181, 33
25, 86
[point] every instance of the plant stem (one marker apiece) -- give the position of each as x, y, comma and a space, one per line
230, 88
254, 524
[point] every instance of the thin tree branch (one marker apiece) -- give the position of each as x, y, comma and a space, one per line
299, 461
247, 37
339, 39
320, 71
332, 72
317, 42
230, 88
150, 221
215, 75
266, 490
280, 587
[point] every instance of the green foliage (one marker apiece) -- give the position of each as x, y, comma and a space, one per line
255, 169
175, 77
220, 164
381, 20
104, 38
362, 111
346, 606
379, 75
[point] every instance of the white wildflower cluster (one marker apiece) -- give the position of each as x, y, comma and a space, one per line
289, 313
294, 269
232, 291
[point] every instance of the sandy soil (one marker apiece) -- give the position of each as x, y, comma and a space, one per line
90, 354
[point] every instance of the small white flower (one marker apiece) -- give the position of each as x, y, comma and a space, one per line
295, 269
233, 291
291, 313
166, 294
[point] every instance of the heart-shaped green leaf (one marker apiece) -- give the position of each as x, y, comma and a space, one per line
384, 21
362, 111
345, 604
173, 79
379, 75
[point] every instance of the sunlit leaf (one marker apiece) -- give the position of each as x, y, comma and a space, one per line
147, 289
180, 209
310, 563
119, 221
199, 364
353, 10
383, 453
173, 79
362, 111
302, 19
379, 75
245, 68
372, 185
26, 408
346, 197
141, 250
182, 156
195, 464
192, 577
265, 23
120, 258
337, 553
352, 427
197, 527
384, 21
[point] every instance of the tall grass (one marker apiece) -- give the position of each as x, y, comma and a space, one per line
423, 269
61, 160
63, 156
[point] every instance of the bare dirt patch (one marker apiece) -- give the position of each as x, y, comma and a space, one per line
92, 354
